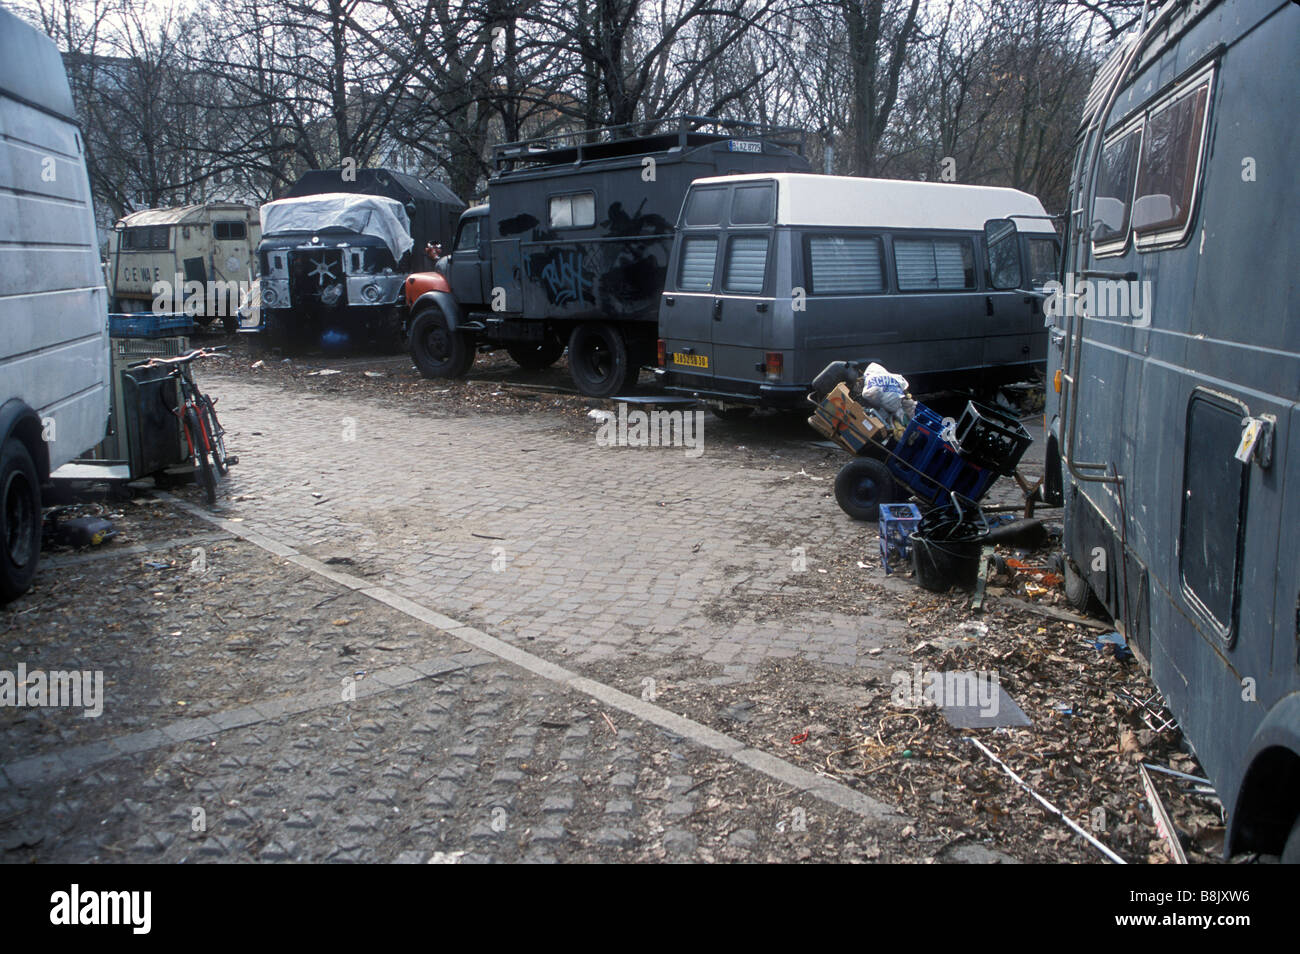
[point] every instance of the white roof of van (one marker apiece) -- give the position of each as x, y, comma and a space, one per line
809, 199
183, 214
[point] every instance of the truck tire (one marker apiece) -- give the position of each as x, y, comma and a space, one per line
439, 352
533, 357
1078, 593
20, 519
861, 486
598, 360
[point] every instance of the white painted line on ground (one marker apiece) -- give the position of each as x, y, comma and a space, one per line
770, 765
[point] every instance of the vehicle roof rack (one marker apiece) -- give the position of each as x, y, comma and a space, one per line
630, 139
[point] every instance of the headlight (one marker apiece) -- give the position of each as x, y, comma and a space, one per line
269, 297
370, 292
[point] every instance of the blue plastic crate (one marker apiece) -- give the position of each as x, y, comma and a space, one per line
149, 325
930, 467
897, 521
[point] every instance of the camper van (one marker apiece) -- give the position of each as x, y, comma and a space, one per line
336, 250
53, 305
773, 277
1173, 412
196, 259
572, 248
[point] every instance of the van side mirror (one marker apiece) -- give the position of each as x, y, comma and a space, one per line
1001, 238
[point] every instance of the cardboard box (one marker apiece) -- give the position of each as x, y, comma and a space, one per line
845, 421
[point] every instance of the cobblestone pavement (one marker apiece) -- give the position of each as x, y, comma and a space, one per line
254, 711
305, 698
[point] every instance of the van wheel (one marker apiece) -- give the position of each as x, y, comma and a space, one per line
598, 361
533, 357
1077, 591
861, 486
20, 520
438, 351
1291, 851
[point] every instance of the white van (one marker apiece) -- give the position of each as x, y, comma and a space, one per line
212, 245
773, 277
54, 390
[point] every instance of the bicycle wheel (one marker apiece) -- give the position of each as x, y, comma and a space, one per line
216, 434
199, 446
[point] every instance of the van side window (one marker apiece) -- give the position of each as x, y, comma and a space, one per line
1110, 205
844, 265
467, 240
752, 204
934, 264
704, 206
1167, 171
576, 210
229, 231
1044, 265
746, 269
146, 237
1214, 495
699, 252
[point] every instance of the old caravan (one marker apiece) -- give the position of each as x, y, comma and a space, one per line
53, 305
1175, 427
772, 277
154, 254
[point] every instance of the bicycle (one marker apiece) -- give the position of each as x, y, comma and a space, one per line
204, 435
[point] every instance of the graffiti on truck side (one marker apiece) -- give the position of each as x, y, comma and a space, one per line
564, 279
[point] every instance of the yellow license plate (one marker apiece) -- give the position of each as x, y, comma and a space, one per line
691, 360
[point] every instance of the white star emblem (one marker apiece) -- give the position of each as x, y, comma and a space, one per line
322, 269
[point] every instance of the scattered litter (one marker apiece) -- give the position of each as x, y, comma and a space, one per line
596, 414
375, 374
1117, 645
799, 739
1164, 827
258, 364
1048, 805
83, 531
322, 372
996, 712
1176, 774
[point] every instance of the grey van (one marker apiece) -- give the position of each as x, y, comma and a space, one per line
772, 277
53, 303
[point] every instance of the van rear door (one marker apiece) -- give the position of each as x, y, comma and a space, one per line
686, 311
743, 309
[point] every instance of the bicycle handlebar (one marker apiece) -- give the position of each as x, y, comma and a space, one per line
181, 359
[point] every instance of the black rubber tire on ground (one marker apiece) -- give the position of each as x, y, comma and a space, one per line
439, 352
20, 519
1291, 851
535, 357
598, 360
737, 412
203, 472
861, 486
215, 434
1077, 591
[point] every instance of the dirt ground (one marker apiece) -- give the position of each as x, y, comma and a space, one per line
1080, 751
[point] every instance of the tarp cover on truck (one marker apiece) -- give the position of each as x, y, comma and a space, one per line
374, 215
432, 209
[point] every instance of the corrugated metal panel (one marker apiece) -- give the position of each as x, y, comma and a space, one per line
1105, 76
698, 256
746, 264
930, 264
842, 265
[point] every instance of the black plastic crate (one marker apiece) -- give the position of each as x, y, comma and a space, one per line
991, 438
